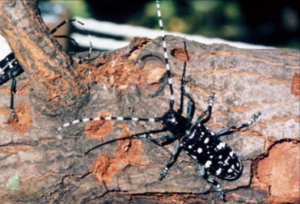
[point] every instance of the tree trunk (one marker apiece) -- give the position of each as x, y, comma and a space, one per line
40, 165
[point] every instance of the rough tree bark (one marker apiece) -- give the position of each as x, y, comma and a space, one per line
38, 165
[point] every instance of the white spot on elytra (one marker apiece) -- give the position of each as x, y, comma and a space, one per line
231, 153
211, 156
199, 150
218, 171
229, 170
221, 145
206, 140
193, 156
202, 133
220, 157
237, 164
207, 164
226, 161
190, 146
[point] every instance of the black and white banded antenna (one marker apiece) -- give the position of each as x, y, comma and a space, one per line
165, 54
63, 36
120, 118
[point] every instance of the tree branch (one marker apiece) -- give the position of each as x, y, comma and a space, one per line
56, 79
39, 165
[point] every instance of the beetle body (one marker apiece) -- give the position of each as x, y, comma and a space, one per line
174, 122
213, 154
205, 147
9, 68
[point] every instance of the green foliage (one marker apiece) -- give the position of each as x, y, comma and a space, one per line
232, 20
76, 7
209, 18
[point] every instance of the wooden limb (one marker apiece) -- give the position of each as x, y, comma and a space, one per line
57, 81
38, 165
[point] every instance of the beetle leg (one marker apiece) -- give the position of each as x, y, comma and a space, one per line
172, 161
12, 92
191, 107
232, 129
207, 112
162, 141
213, 182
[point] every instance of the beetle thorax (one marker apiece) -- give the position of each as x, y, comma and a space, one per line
175, 123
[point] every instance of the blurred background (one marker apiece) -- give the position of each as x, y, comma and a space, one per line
113, 23
270, 23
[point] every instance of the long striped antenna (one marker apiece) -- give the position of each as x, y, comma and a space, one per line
61, 36
165, 54
84, 120
133, 118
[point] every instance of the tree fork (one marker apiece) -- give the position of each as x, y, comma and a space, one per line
58, 82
